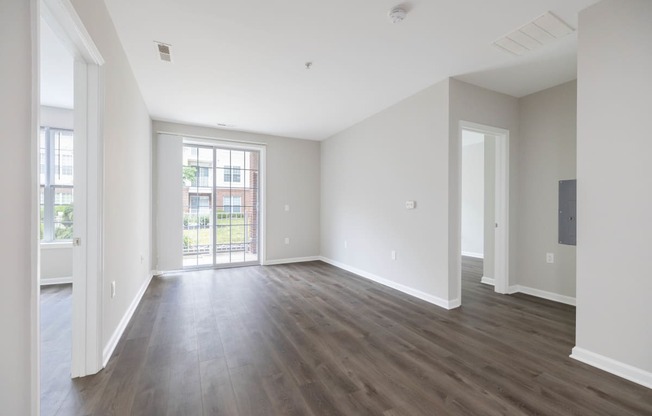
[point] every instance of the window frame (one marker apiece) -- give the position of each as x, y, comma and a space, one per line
50, 186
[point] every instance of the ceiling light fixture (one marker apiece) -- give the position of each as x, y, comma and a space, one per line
397, 14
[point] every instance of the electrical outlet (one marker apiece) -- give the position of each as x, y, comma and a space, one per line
410, 204
112, 289
550, 257
393, 254
346, 244
287, 240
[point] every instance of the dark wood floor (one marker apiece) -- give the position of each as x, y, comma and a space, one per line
311, 339
56, 345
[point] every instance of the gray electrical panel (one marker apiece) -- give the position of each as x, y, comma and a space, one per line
567, 212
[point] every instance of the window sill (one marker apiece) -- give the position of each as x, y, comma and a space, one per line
55, 245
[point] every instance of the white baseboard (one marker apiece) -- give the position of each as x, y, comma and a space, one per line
291, 260
514, 289
488, 280
56, 281
115, 337
448, 304
612, 366
555, 297
471, 254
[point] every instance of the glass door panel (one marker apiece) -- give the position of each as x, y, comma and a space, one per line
198, 198
220, 206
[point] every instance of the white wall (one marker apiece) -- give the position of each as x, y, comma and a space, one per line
292, 170
61, 118
56, 263
16, 219
169, 203
614, 174
368, 172
473, 193
489, 206
547, 143
127, 171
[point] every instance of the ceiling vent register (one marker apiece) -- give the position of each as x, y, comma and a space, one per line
164, 52
542, 30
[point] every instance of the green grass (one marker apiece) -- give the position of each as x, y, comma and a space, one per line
235, 233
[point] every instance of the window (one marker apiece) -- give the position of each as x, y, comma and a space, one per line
232, 204
205, 177
232, 174
56, 184
200, 204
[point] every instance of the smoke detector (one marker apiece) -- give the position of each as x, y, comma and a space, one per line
164, 51
397, 14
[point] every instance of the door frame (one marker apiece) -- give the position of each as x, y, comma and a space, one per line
501, 230
88, 166
261, 148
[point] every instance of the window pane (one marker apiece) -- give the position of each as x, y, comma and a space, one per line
42, 159
236, 174
42, 209
223, 158
237, 158
251, 160
63, 157
63, 213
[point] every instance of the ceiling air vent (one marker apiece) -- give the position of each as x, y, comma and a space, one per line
542, 30
164, 51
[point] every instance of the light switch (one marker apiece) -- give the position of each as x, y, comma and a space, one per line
287, 207
410, 204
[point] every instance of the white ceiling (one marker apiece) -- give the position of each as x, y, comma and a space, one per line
57, 66
241, 63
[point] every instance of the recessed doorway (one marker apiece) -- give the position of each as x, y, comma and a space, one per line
484, 203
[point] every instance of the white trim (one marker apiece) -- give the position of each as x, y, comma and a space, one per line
34, 268
471, 254
612, 366
81, 223
488, 280
447, 304
57, 245
291, 260
56, 281
513, 289
66, 23
208, 140
117, 334
555, 297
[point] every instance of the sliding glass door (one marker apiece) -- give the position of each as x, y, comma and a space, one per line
220, 206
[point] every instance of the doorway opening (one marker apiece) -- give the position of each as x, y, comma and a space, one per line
67, 193
56, 208
484, 205
221, 210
